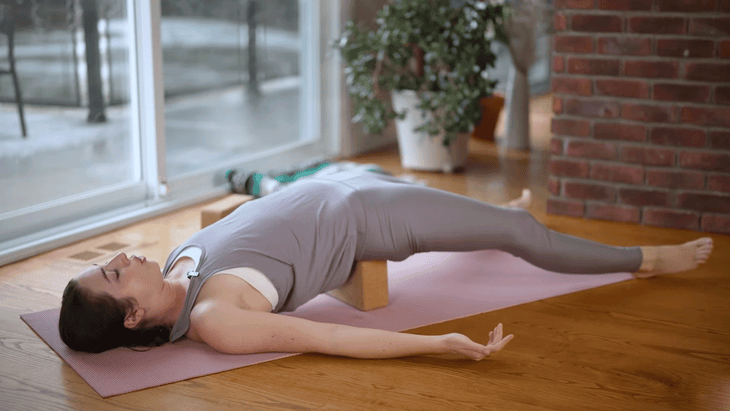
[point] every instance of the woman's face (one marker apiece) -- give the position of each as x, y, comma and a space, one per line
125, 277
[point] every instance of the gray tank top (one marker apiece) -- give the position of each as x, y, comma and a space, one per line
304, 239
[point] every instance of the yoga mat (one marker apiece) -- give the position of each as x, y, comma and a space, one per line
425, 289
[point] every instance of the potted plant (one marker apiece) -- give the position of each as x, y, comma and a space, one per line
433, 57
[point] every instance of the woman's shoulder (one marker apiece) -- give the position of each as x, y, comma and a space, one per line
200, 314
222, 296
212, 319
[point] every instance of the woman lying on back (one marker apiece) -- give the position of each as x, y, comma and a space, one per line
225, 285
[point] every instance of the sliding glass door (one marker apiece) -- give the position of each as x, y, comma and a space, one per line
233, 79
68, 148
65, 152
133, 108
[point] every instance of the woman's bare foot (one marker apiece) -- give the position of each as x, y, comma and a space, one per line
522, 202
674, 258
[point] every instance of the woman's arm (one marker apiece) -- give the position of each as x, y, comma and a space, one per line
371, 343
233, 330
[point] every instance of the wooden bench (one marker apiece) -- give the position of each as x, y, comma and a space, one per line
367, 288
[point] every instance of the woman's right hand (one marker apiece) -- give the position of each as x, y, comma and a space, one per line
465, 348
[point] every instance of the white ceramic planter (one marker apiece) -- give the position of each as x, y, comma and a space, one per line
419, 150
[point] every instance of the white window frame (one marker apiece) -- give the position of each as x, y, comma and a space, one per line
41, 228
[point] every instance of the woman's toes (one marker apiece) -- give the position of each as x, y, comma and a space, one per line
526, 198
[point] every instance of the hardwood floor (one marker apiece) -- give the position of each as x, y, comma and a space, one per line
655, 344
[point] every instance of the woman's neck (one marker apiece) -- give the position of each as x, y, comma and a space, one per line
174, 291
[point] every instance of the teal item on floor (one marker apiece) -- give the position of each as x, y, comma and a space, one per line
300, 174
256, 184
258, 177
378, 171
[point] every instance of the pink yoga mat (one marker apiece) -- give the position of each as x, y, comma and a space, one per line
425, 289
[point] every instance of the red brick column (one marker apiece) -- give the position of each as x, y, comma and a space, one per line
642, 112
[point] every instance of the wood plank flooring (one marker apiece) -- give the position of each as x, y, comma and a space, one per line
655, 344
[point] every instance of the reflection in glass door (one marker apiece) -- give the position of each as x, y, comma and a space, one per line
539, 75
233, 79
71, 60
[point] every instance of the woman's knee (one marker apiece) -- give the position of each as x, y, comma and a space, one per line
522, 223
526, 233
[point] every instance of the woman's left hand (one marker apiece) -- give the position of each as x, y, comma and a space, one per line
465, 348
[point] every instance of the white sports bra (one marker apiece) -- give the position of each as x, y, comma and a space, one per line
256, 279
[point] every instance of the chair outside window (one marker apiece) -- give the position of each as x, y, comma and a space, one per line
7, 28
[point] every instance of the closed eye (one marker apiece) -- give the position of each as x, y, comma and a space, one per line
103, 271
114, 271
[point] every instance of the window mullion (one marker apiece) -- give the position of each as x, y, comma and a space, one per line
150, 96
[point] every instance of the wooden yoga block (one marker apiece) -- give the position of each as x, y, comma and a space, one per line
221, 208
367, 288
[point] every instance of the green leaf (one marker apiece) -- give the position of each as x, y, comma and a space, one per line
455, 54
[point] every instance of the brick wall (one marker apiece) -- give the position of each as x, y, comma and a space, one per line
642, 112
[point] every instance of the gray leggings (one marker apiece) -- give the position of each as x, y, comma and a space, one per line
398, 220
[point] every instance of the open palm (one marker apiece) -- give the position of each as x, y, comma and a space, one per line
464, 347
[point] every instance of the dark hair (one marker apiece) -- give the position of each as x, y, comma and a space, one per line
95, 322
